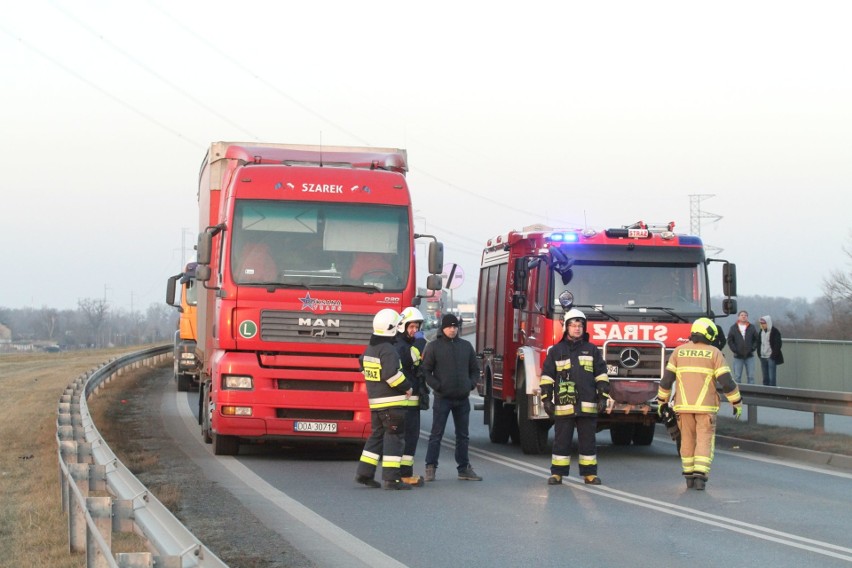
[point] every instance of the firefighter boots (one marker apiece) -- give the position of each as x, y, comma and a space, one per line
467, 474
699, 482
430, 472
414, 480
591, 480
690, 481
554, 480
368, 481
397, 484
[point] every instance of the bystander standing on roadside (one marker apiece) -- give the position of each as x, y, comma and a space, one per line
769, 350
451, 371
742, 339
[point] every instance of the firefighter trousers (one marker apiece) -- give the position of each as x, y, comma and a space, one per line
563, 434
385, 444
412, 435
697, 442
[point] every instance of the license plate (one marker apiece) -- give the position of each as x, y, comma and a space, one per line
612, 370
315, 426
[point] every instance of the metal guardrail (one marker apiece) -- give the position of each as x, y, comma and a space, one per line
818, 402
87, 464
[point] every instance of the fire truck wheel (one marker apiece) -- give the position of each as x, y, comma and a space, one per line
621, 434
499, 419
533, 433
225, 445
643, 435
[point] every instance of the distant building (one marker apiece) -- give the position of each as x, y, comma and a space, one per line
5, 334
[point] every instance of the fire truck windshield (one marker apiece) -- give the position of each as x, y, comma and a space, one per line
620, 287
310, 244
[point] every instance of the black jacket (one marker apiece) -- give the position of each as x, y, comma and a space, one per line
743, 347
450, 367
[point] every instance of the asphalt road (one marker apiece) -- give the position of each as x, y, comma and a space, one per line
757, 510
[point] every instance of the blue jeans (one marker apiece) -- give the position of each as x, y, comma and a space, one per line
441, 409
748, 363
767, 366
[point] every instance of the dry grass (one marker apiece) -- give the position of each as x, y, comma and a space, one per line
33, 529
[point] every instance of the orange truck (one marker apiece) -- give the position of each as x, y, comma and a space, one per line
187, 365
640, 288
298, 248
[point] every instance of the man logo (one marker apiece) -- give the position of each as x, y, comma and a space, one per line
319, 322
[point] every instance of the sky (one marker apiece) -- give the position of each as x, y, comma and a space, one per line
734, 118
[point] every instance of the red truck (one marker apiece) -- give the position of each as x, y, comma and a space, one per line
640, 288
299, 247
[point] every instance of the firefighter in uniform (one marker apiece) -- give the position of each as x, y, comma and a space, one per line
573, 380
388, 392
693, 370
409, 346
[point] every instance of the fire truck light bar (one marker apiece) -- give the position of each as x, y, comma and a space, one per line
564, 237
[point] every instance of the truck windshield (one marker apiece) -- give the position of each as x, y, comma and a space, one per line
625, 287
297, 243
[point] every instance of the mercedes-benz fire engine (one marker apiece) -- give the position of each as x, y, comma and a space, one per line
299, 247
640, 288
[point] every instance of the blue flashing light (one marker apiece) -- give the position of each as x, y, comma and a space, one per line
564, 237
690, 240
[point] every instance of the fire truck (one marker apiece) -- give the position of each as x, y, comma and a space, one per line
187, 365
640, 287
299, 247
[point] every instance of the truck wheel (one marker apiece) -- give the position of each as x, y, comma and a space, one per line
621, 434
183, 382
225, 445
204, 414
533, 433
499, 420
643, 434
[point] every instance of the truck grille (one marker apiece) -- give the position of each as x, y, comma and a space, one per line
635, 359
299, 327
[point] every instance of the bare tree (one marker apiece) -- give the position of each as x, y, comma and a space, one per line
837, 293
49, 321
95, 312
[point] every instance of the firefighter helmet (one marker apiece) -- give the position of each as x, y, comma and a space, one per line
572, 314
385, 322
705, 328
409, 315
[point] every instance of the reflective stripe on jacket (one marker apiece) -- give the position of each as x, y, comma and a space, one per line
694, 369
386, 384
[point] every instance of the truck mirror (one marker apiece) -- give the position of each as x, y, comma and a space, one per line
729, 280
170, 289
205, 247
434, 282
202, 273
729, 306
436, 259
521, 273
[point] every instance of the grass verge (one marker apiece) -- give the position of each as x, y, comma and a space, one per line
33, 529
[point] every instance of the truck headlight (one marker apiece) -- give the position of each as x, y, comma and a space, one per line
237, 382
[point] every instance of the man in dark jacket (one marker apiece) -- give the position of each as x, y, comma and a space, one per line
451, 371
742, 339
